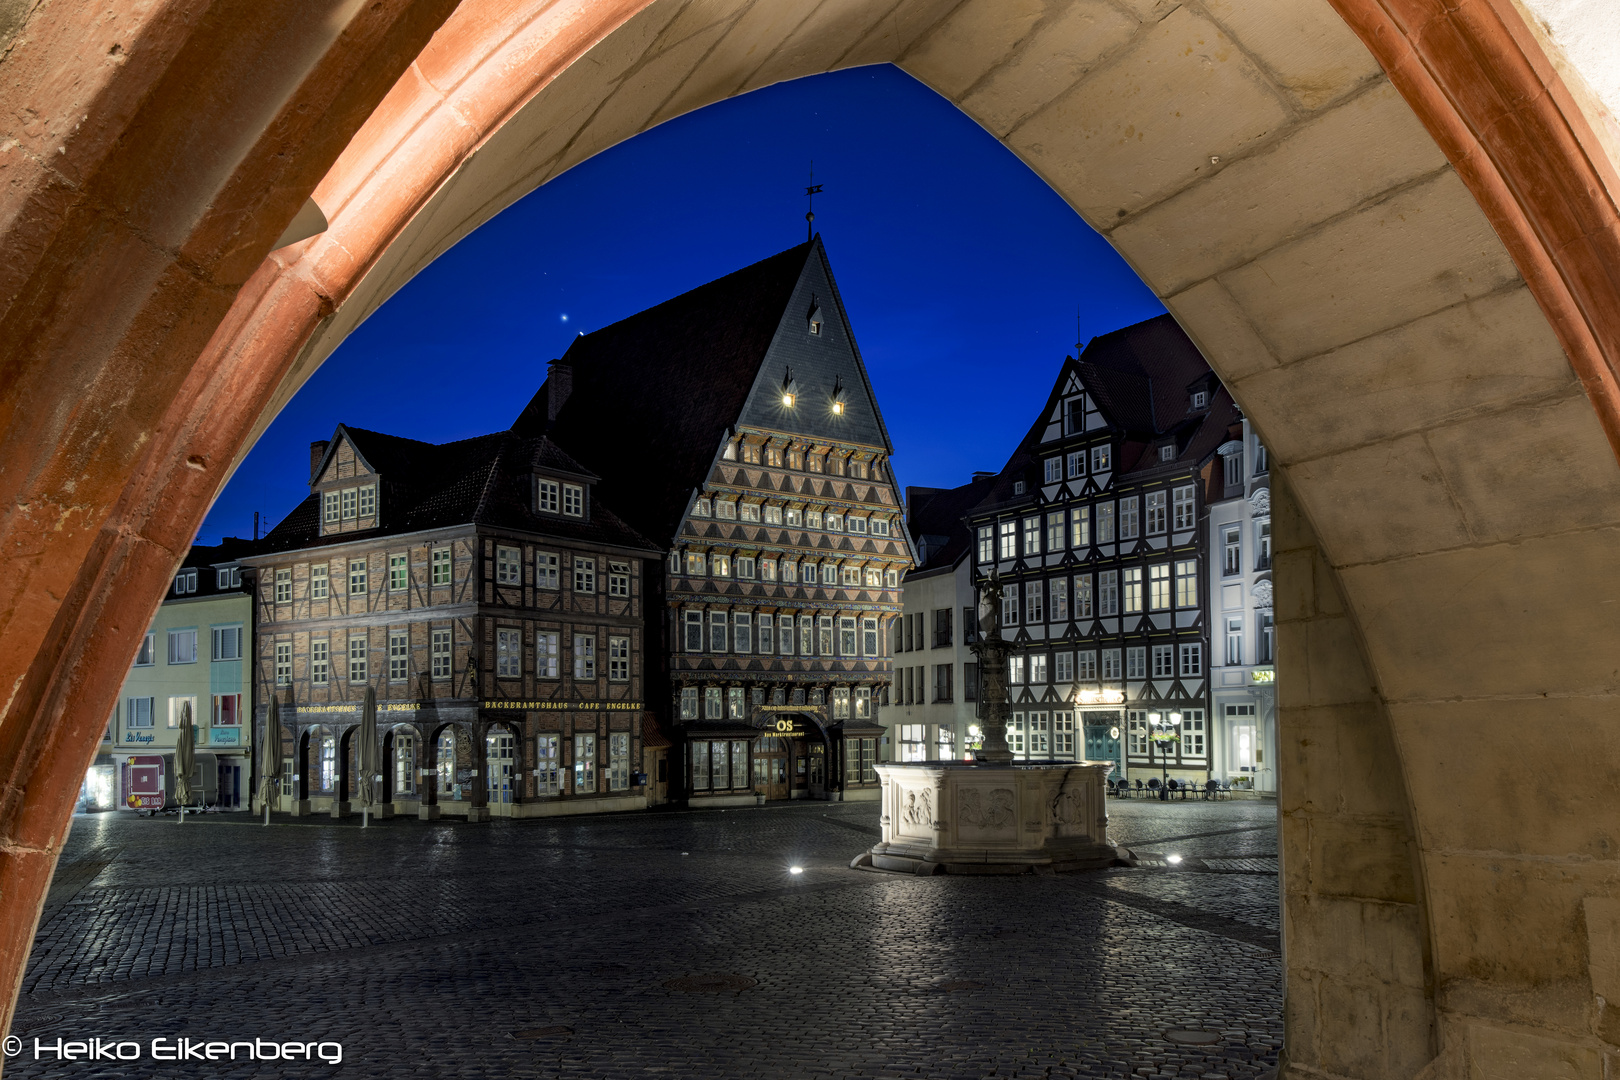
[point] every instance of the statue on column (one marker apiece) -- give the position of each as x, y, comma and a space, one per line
992, 650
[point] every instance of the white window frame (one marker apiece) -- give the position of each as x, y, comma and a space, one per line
573, 500
585, 656
441, 643
508, 565
1191, 660
618, 659
547, 654
1185, 501
508, 652
359, 660
399, 655
320, 661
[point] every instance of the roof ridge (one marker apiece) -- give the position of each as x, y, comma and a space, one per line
492, 471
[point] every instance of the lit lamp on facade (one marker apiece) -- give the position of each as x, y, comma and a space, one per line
839, 395
1165, 730
790, 390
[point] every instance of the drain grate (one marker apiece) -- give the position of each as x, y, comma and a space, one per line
556, 1031
1192, 1037
709, 984
960, 984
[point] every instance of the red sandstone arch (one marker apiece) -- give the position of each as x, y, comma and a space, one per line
144, 332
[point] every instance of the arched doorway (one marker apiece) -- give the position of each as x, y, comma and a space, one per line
502, 769
1402, 350
400, 766
453, 772
790, 757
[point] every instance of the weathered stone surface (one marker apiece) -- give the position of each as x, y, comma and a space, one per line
1147, 123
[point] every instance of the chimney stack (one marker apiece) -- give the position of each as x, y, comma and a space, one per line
317, 450
559, 384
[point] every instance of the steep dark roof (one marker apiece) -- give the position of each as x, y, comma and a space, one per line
653, 395
1141, 377
938, 512
485, 480
1144, 371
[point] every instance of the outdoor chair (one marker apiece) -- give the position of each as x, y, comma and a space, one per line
1212, 789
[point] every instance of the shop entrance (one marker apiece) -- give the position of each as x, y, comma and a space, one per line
230, 784
771, 767
499, 752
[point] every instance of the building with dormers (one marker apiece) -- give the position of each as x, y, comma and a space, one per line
735, 426
493, 603
1094, 529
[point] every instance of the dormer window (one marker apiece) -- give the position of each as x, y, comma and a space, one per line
1167, 452
349, 500
1018, 487
726, 509
730, 451
701, 508
330, 503
1200, 399
547, 496
185, 582
815, 319
573, 497
368, 501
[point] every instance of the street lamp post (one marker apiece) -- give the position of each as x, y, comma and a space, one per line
1165, 731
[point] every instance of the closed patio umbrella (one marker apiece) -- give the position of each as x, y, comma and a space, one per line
185, 758
366, 756
270, 757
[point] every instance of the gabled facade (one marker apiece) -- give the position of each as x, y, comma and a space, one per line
493, 603
736, 425
1094, 529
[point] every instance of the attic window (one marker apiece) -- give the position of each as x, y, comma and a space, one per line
1200, 398
815, 319
1018, 487
1167, 452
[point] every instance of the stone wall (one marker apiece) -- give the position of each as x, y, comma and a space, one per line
1358, 993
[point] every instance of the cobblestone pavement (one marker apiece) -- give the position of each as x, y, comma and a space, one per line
555, 948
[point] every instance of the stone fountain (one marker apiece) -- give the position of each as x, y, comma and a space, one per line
992, 815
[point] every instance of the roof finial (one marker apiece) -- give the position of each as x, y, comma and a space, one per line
810, 196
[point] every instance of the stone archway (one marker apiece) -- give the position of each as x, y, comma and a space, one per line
1392, 233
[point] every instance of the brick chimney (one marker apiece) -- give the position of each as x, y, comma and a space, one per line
317, 450
559, 384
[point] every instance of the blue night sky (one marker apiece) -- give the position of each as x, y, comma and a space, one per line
962, 271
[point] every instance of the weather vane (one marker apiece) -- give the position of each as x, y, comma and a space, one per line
810, 194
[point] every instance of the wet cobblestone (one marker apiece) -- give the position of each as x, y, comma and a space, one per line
423, 948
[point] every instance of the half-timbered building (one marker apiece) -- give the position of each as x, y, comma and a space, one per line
736, 427
1094, 529
492, 602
